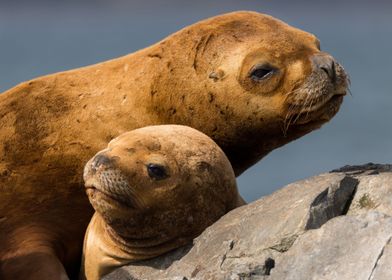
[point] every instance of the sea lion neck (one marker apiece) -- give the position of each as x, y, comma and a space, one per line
126, 249
146, 247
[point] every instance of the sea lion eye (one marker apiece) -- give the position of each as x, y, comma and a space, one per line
156, 171
261, 72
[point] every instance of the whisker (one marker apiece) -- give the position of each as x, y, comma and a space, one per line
289, 111
310, 106
308, 97
288, 119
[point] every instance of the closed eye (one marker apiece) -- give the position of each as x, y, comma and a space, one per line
261, 72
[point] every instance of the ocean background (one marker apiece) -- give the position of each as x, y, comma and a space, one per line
41, 37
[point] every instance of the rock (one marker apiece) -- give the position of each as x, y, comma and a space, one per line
347, 247
374, 192
332, 226
382, 269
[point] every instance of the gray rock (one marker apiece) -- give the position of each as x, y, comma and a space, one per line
374, 192
332, 226
382, 269
347, 247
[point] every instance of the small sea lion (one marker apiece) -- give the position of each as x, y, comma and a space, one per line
153, 189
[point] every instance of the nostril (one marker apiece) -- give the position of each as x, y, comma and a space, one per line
326, 63
333, 74
326, 70
100, 160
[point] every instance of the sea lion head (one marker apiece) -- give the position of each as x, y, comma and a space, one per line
250, 81
160, 183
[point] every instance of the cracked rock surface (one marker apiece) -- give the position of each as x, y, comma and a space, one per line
332, 226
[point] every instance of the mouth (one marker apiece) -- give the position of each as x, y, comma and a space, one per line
320, 112
95, 193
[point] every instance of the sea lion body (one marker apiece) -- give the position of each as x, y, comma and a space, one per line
250, 82
154, 189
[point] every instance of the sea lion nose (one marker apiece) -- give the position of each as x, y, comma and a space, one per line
326, 63
99, 160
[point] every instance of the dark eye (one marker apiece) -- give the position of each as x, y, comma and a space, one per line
261, 72
156, 171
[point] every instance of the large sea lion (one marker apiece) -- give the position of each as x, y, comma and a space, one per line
153, 189
249, 81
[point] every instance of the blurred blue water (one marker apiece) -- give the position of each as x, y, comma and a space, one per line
41, 37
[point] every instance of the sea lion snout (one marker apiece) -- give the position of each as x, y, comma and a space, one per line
330, 73
99, 160
325, 62
101, 174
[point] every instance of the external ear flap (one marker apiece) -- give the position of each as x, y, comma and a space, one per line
216, 75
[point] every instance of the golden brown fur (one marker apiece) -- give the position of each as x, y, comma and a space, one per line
198, 77
140, 215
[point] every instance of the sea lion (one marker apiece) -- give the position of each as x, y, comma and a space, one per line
249, 81
153, 189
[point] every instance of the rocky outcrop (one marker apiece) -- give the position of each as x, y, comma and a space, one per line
332, 226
